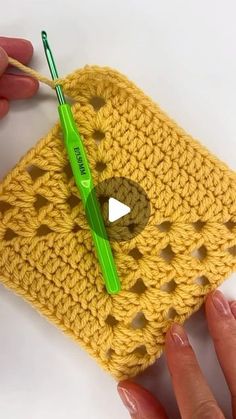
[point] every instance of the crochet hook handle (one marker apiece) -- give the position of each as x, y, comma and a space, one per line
83, 180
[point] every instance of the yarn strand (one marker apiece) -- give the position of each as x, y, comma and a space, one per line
33, 73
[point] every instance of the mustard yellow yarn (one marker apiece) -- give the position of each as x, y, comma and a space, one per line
186, 250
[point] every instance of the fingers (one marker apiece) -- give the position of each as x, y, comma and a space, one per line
17, 86
20, 49
140, 403
4, 107
14, 86
3, 61
194, 398
233, 308
222, 326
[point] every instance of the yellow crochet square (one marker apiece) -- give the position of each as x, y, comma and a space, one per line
187, 248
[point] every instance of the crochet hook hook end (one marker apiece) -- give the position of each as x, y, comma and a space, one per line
44, 35
52, 66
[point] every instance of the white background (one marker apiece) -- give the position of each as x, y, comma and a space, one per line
183, 54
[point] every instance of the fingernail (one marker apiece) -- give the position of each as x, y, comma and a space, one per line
233, 308
128, 400
220, 303
179, 335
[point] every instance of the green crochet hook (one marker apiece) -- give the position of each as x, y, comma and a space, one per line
83, 179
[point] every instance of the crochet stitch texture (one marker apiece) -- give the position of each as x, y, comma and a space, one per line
187, 248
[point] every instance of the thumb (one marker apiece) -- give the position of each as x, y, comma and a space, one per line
139, 402
3, 61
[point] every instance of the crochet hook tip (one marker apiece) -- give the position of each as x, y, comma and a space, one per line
44, 35
52, 66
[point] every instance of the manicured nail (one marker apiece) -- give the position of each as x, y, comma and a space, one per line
179, 335
128, 400
220, 303
233, 308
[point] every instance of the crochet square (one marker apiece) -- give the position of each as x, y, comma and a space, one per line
187, 248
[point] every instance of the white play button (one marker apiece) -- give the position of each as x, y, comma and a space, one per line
125, 208
116, 209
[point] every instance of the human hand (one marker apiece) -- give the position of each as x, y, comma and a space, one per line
14, 86
194, 397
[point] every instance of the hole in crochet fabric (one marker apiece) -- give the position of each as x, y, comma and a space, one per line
40, 202
111, 320
73, 201
166, 226
169, 286
35, 172
139, 322
232, 250
102, 199
200, 253
4, 207
199, 225
139, 287
100, 166
202, 280
132, 227
172, 313
68, 171
167, 253
135, 253
140, 350
230, 225
76, 228
97, 102
98, 136
9, 234
43, 230
109, 353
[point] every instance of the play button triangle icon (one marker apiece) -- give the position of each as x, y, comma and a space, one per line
125, 208
116, 210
